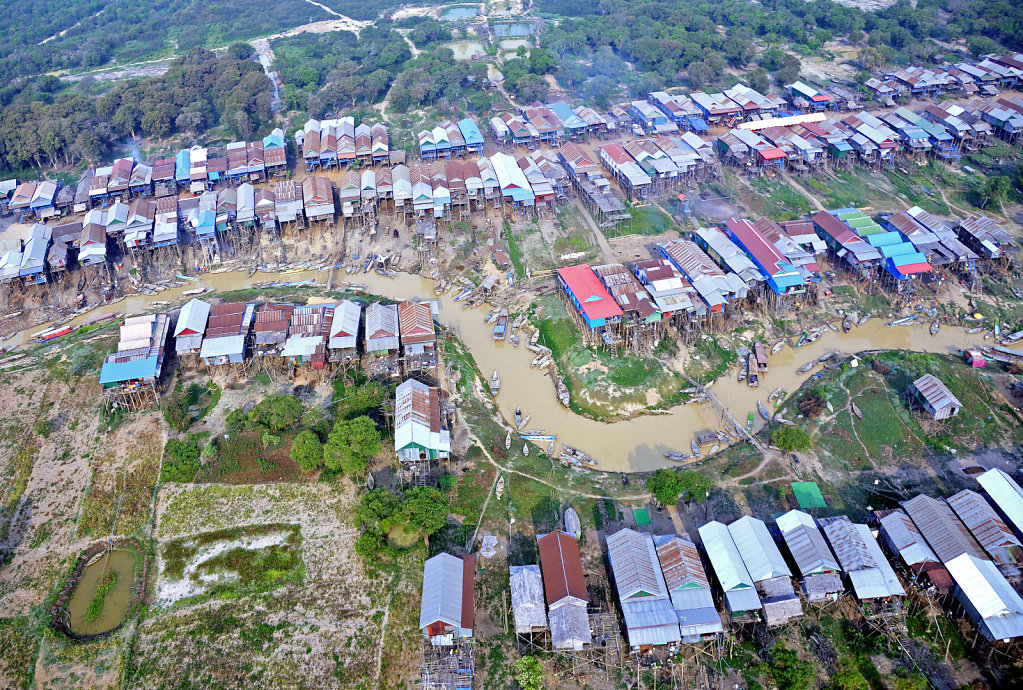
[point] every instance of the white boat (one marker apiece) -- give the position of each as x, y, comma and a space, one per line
782, 420
518, 416
495, 383
507, 441
550, 449
563, 396
499, 489
777, 347
535, 338
523, 423
525, 449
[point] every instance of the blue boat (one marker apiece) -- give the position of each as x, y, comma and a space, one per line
695, 448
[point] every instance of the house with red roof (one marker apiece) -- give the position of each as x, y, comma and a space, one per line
587, 294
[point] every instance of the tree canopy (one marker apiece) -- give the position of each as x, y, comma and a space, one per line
351, 445
307, 451
668, 486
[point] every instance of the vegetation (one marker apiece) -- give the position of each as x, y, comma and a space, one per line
789, 672
791, 438
668, 486
351, 445
529, 673
307, 451
181, 458
103, 587
420, 511
182, 409
276, 413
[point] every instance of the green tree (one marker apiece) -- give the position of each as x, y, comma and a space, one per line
666, 486
353, 401
695, 485
791, 438
236, 420
375, 510
277, 412
759, 80
848, 677
996, 188
529, 674
307, 451
351, 445
789, 672
425, 508
181, 459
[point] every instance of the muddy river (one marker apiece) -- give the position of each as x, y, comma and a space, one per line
634, 445
117, 600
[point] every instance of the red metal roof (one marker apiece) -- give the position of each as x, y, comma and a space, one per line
561, 567
834, 227
415, 321
772, 154
767, 255
585, 286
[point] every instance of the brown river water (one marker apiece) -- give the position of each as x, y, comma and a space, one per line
634, 445
116, 601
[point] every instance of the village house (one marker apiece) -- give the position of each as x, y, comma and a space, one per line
446, 612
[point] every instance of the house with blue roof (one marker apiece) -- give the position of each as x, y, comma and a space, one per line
130, 376
472, 135
782, 277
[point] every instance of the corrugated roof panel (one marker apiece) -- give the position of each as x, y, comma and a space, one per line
562, 568
805, 542
634, 562
945, 533
984, 523
527, 598
989, 594
904, 538
724, 557
759, 553
1006, 493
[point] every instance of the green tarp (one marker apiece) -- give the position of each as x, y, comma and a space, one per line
641, 516
808, 495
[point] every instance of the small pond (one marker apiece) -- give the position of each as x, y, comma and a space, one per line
119, 564
466, 50
458, 12
512, 44
514, 29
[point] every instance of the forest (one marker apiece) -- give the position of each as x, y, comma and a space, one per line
201, 92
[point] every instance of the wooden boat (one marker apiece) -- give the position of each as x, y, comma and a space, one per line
774, 395
495, 383
188, 278
782, 420
781, 398
814, 336
802, 339
935, 327
545, 362
563, 395
742, 372
903, 321
576, 458
535, 338
525, 449
695, 448
855, 410
499, 489
713, 449
507, 441
972, 331
550, 449
761, 356
863, 319
537, 435
523, 423
489, 318
806, 367
515, 340
752, 379
762, 409
196, 291
678, 457
518, 415
847, 323
777, 347
832, 326
749, 422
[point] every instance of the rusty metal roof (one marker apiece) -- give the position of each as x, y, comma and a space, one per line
985, 525
945, 533
680, 563
416, 322
562, 568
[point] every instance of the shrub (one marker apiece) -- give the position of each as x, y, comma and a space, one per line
43, 427
236, 421
791, 438
307, 451
351, 445
106, 583
789, 672
529, 674
181, 459
276, 412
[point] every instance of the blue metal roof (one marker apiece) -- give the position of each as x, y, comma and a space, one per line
470, 132
842, 146
698, 124
883, 239
116, 372
182, 166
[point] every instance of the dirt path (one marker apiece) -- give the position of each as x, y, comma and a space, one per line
803, 191
383, 633
768, 459
605, 246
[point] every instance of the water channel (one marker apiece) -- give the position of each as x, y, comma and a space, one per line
116, 601
633, 445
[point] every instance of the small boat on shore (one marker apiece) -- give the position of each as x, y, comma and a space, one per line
806, 367
563, 395
518, 416
814, 336
832, 326
777, 347
524, 422
537, 435
935, 327
197, 291
489, 318
525, 449
501, 327
495, 383
695, 448
545, 362
535, 338
741, 376
749, 422
781, 398
507, 441
762, 409
774, 395
752, 377
974, 330
550, 448
188, 278
782, 420
847, 323
577, 459
855, 410
678, 457
863, 319
904, 320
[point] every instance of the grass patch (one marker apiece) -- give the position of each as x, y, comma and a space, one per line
514, 251
20, 647
243, 459
649, 220
103, 587
132, 489
779, 201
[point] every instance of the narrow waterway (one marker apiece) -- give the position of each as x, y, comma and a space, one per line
634, 445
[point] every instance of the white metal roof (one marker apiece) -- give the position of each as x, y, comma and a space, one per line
650, 621
805, 542
193, 317
570, 627
985, 590
1006, 494
344, 327
759, 553
442, 591
636, 568
222, 346
904, 537
724, 557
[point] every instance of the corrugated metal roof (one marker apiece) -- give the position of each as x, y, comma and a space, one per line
650, 621
805, 542
985, 525
1006, 493
417, 418
344, 327
570, 627
861, 557
192, 319
527, 598
945, 533
935, 392
680, 563
634, 561
986, 591
904, 538
416, 322
562, 568
444, 584
759, 553
724, 557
